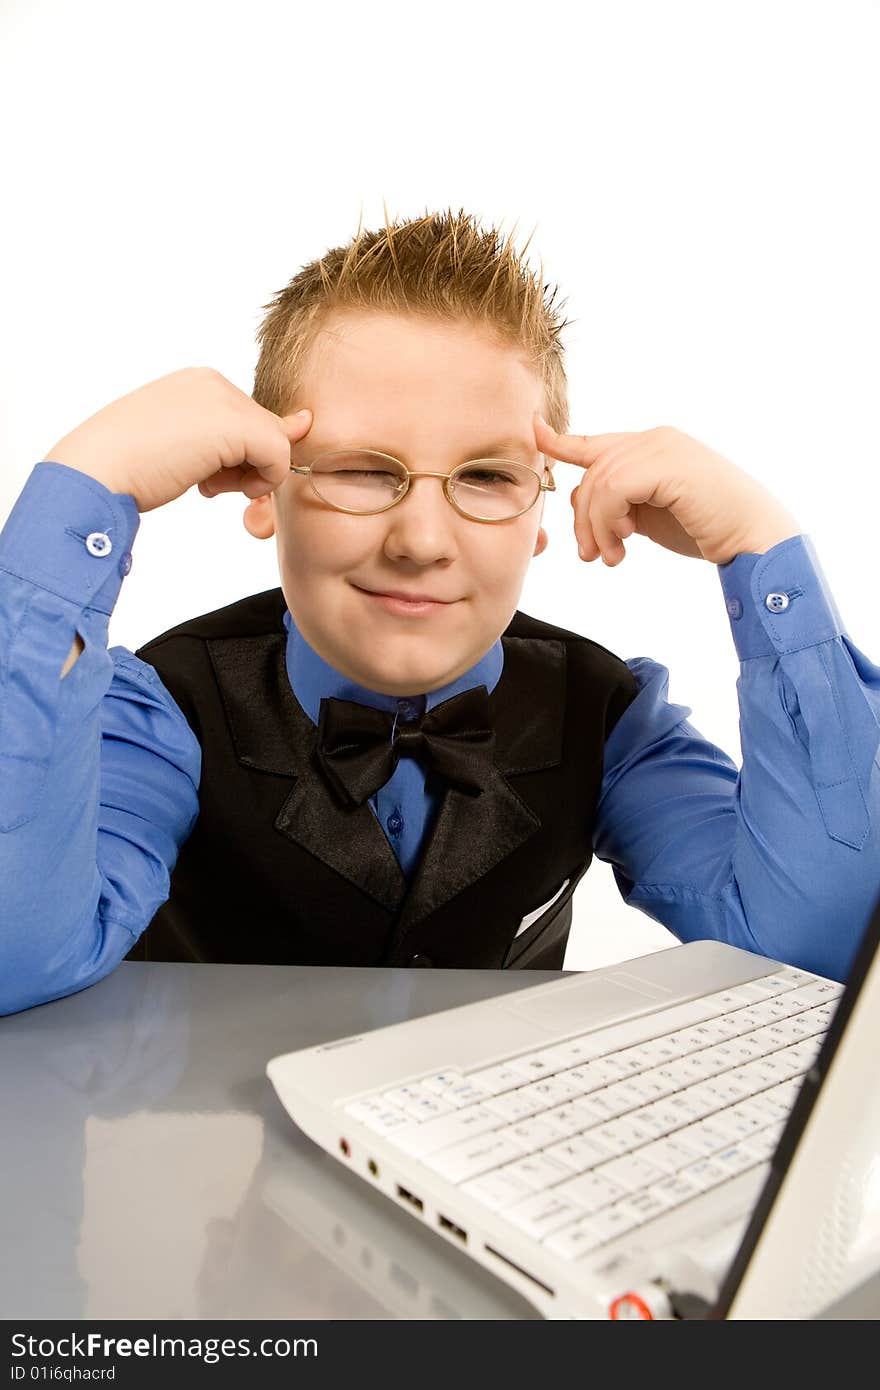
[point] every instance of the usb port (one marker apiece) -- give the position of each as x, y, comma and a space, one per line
411, 1198
446, 1225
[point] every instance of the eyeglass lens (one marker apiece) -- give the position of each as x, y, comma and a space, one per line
486, 489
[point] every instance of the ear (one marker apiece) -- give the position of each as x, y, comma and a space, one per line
540, 541
259, 518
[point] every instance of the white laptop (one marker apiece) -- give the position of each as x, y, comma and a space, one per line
689, 1134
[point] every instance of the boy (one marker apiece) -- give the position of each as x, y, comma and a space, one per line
383, 761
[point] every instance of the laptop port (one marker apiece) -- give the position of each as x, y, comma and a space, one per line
446, 1225
345, 1147
373, 1167
411, 1198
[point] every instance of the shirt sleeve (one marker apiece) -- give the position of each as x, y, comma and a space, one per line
781, 856
99, 771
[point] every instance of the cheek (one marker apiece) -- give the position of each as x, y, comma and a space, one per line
500, 560
317, 544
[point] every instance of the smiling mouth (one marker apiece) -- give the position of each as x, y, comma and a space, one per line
404, 597
396, 601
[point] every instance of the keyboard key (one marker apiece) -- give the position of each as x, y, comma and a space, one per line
441, 1081
649, 1086
384, 1121
427, 1107
680, 1043
729, 999
735, 1159
662, 1116
553, 1091
532, 1134
674, 1190
612, 1101
473, 1157
767, 985
705, 1173
542, 1214
630, 1172
795, 977
572, 1118
589, 1191
514, 1105
591, 1076
573, 1241
704, 1137
670, 1154
579, 1153
497, 1189
496, 1079
618, 1136
644, 1205
538, 1171
727, 1089
369, 1105
466, 1092
820, 991
405, 1097
441, 1133
532, 1066
613, 1221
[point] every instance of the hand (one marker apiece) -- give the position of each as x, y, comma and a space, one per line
669, 487
190, 427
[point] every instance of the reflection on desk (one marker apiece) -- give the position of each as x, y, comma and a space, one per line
151, 1171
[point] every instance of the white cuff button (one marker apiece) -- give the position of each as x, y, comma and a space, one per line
98, 543
777, 603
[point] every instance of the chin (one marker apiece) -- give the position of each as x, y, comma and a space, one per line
402, 682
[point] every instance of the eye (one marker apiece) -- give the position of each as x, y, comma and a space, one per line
486, 477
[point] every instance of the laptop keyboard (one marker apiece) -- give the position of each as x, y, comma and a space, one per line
578, 1143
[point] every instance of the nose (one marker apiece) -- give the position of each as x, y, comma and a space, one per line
424, 526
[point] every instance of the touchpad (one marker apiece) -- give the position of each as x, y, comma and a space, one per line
586, 1003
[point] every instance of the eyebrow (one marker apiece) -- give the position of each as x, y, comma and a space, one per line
499, 447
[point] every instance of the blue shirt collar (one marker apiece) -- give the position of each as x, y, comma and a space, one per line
313, 679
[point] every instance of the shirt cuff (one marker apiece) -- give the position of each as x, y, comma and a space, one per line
780, 601
70, 534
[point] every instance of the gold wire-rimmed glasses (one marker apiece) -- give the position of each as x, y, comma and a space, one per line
363, 482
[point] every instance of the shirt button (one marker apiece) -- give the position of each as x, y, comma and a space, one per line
98, 544
777, 603
419, 959
394, 823
734, 608
125, 565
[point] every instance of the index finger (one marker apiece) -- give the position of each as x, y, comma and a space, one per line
582, 449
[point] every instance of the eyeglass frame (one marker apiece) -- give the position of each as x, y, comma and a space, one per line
305, 470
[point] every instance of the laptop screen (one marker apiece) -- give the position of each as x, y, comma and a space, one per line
814, 1233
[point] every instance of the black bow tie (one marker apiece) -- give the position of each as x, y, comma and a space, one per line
356, 751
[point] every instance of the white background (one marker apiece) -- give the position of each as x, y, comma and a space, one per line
701, 179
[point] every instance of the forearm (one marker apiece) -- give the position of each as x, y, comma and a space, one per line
778, 857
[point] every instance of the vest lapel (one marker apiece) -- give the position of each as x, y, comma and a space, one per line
471, 835
271, 732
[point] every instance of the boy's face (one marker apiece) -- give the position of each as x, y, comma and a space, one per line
433, 395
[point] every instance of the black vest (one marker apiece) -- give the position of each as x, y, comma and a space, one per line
278, 871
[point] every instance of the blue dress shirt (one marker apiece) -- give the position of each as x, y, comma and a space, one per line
99, 771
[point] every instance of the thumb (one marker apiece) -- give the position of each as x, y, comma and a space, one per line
297, 425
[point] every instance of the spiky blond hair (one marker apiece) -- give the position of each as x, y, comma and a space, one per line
439, 266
